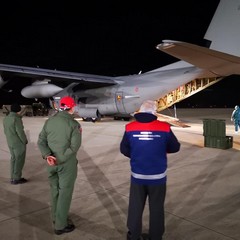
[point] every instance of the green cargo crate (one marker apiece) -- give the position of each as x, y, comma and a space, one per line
218, 142
214, 127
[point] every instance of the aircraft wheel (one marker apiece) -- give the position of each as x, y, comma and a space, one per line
116, 118
87, 119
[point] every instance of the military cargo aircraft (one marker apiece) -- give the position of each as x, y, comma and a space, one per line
98, 96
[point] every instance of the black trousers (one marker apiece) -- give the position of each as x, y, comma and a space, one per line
137, 200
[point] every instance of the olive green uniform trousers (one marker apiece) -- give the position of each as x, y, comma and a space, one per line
62, 179
18, 155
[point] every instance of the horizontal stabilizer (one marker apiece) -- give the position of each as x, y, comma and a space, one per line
219, 63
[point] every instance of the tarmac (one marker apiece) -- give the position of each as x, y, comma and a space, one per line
203, 188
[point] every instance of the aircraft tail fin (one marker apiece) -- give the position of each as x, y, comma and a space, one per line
223, 31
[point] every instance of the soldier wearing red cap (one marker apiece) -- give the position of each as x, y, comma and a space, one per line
59, 142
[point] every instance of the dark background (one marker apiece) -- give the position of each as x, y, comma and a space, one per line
107, 38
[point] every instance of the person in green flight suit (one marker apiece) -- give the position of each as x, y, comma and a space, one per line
17, 142
59, 142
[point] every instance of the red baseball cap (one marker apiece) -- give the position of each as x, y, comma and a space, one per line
67, 102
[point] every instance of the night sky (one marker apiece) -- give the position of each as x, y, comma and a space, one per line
104, 37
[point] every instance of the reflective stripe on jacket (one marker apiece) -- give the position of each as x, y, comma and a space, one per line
147, 145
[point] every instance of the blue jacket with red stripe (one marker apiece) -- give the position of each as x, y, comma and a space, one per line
146, 142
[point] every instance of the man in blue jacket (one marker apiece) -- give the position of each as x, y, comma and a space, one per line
146, 142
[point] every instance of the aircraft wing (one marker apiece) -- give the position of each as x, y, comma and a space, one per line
219, 63
9, 72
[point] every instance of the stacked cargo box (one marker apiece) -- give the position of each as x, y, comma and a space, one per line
214, 132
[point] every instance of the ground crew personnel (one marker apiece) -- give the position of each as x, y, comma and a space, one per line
235, 118
147, 142
59, 142
17, 142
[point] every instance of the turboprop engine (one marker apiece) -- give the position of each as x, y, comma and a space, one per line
40, 89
